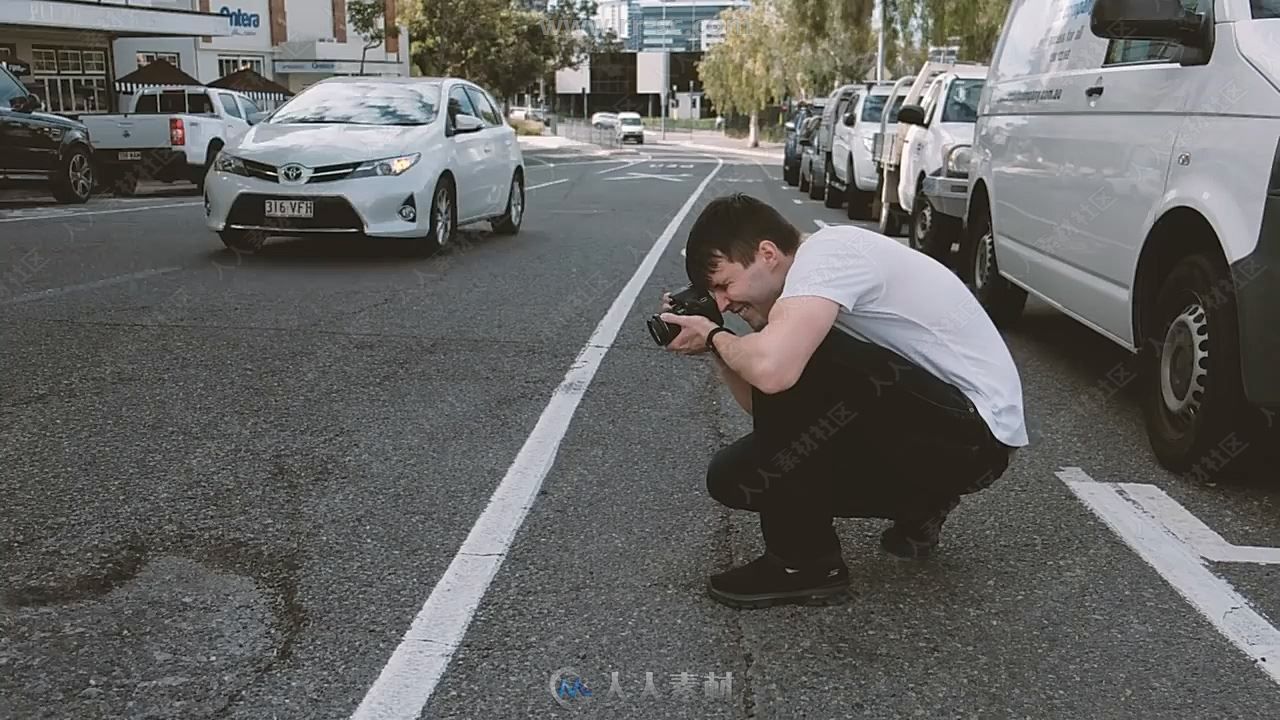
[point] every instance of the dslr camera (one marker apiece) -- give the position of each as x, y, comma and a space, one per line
687, 301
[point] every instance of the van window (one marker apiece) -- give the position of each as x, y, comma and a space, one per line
1021, 51
1123, 52
1265, 9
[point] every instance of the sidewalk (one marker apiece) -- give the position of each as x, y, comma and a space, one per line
715, 141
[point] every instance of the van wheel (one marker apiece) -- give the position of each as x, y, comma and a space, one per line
1193, 395
1002, 300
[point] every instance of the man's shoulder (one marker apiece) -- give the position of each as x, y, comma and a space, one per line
846, 237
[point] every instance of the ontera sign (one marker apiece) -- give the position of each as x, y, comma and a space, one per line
242, 23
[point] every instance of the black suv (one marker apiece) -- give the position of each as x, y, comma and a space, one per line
38, 147
792, 152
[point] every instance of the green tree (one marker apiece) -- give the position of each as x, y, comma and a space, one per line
366, 20
748, 70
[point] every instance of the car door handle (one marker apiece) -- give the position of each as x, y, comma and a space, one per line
1093, 91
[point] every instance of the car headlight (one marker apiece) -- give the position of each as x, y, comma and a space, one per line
229, 164
959, 159
387, 166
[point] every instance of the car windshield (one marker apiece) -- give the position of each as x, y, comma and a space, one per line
631, 121
874, 107
362, 103
962, 101
1265, 9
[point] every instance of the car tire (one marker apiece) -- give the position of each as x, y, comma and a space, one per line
859, 205
509, 223
74, 181
931, 232
791, 175
1002, 300
1193, 397
816, 190
243, 241
444, 217
831, 198
890, 222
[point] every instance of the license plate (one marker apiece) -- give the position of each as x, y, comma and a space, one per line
132, 155
290, 208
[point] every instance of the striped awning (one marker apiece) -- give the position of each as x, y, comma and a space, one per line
128, 88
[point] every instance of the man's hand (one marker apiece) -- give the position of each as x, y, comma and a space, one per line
692, 339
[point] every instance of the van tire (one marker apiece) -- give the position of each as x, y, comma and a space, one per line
1002, 300
1192, 392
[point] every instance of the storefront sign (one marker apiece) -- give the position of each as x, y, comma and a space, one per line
242, 23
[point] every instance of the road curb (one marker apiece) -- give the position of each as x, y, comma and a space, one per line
765, 154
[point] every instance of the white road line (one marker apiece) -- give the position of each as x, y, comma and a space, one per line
1192, 531
542, 185
420, 660
64, 216
622, 167
52, 292
1229, 612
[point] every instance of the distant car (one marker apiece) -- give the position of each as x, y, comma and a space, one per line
808, 152
630, 127
791, 150
411, 158
604, 120
41, 148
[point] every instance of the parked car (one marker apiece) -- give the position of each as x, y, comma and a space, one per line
808, 154
1129, 175
835, 107
42, 149
791, 151
630, 127
412, 158
853, 169
168, 134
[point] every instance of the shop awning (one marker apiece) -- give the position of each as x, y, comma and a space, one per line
157, 73
113, 17
254, 85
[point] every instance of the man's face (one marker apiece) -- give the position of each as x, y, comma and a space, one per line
749, 291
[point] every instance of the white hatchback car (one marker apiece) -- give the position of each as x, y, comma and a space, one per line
410, 158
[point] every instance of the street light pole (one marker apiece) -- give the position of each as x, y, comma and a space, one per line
666, 68
879, 25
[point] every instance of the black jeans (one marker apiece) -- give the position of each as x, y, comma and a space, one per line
863, 433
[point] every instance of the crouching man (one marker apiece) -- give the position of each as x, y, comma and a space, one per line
877, 387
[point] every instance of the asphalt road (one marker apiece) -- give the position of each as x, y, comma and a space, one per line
231, 483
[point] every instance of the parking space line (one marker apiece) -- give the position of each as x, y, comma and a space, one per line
64, 216
418, 663
52, 292
1192, 531
545, 184
1184, 569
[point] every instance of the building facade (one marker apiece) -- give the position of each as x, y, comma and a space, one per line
293, 42
62, 49
634, 82
677, 25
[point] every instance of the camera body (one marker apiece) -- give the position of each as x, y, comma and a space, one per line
687, 301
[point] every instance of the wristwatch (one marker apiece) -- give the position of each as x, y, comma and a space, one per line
711, 336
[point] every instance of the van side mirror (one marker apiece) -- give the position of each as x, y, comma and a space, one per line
850, 119
911, 115
1147, 20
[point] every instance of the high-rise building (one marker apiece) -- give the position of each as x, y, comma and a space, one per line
677, 25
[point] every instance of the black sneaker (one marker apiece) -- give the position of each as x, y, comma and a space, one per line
915, 537
767, 581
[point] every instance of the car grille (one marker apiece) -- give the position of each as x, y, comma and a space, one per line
331, 213
324, 173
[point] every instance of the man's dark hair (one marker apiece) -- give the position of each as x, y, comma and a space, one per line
732, 227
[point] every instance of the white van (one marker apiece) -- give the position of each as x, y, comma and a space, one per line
1126, 169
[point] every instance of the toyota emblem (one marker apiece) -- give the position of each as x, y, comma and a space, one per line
291, 173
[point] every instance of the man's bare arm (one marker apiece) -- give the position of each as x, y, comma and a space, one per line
740, 388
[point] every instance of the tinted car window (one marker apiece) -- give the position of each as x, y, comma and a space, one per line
362, 103
9, 89
1265, 9
873, 108
962, 101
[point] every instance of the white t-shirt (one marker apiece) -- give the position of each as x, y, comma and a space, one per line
903, 300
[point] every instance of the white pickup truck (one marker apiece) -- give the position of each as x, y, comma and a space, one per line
168, 134
934, 130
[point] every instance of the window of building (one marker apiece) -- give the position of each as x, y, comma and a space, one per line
146, 58
70, 80
228, 64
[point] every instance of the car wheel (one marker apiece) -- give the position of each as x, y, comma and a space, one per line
831, 198
791, 175
890, 223
815, 190
444, 217
74, 183
509, 223
245, 241
1002, 300
1193, 397
931, 232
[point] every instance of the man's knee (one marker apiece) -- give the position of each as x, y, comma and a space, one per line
730, 475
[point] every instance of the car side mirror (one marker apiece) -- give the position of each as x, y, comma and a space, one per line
850, 119
467, 124
911, 115
1147, 20
26, 103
